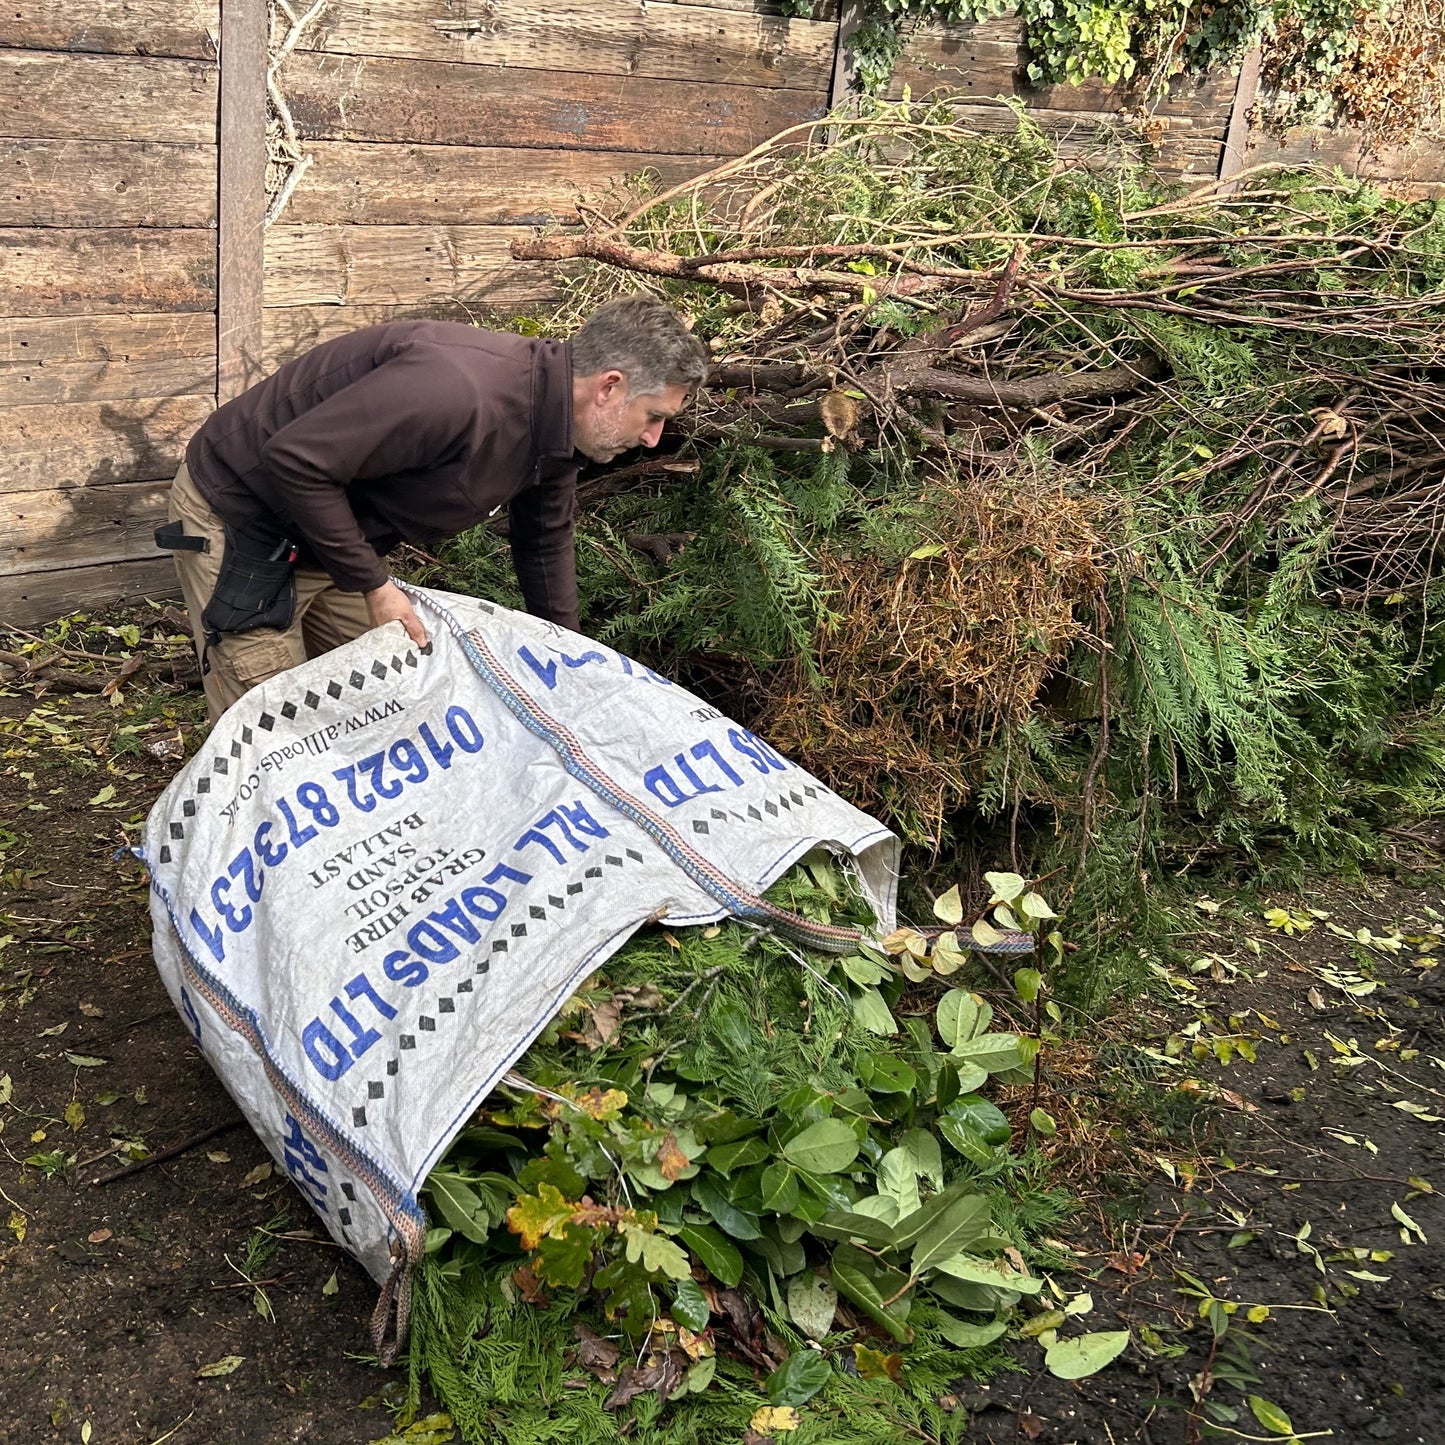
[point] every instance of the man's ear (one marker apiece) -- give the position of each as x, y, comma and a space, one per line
610, 387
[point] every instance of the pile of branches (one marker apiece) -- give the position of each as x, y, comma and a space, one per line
1033, 484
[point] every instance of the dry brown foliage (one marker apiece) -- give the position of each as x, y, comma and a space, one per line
925, 661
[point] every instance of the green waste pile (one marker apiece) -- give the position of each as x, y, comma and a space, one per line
1039, 500
734, 1186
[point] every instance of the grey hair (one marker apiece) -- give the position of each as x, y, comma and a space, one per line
644, 339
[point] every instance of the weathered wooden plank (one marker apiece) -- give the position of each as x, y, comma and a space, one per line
82, 272
1236, 135
241, 261
391, 265
94, 444
106, 183
38, 384
79, 526
818, 10
69, 340
291, 330
602, 37
1423, 162
1077, 123
106, 358
106, 97
432, 102
971, 62
35, 598
382, 184
187, 28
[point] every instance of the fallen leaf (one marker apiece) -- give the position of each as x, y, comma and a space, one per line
104, 796
218, 1156
99, 1236
661, 1375
86, 1061
91, 1011
532, 1288
256, 1175
74, 1115
774, 1418
671, 1161
596, 1355
16, 1225
55, 1032
331, 1286
605, 1019
876, 1365
226, 1365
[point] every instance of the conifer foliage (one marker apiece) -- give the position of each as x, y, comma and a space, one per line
1040, 493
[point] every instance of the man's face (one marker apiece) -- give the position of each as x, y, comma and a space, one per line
607, 420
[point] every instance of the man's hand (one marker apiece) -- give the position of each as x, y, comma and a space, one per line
388, 603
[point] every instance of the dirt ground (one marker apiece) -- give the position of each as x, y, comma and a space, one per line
193, 1301
1304, 1185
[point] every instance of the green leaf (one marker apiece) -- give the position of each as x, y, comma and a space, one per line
884, 1074
1084, 1354
986, 1117
460, 1206
1027, 982
871, 1285
967, 1138
865, 972
911, 1227
1006, 886
953, 1231
689, 1305
798, 1378
707, 1190
1042, 1123
699, 1376
957, 1016
779, 1188
898, 1180
718, 1256
826, 1147
948, 907
104, 796
993, 1052
1033, 907
1270, 1416
982, 1299
656, 1253
871, 1013
848, 1224
970, 1337
927, 1156
812, 1304
929, 549
727, 1157
993, 1272
561, 1259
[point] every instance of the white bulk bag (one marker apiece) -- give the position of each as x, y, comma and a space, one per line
385, 871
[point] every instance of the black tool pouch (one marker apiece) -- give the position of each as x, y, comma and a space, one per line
256, 586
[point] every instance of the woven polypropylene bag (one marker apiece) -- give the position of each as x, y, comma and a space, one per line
385, 871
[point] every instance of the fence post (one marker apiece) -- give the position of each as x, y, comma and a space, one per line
1236, 138
241, 212
850, 17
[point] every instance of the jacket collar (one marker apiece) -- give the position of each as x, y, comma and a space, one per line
552, 399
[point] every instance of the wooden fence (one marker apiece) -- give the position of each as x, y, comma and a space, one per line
409, 141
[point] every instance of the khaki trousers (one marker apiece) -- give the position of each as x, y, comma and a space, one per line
325, 616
